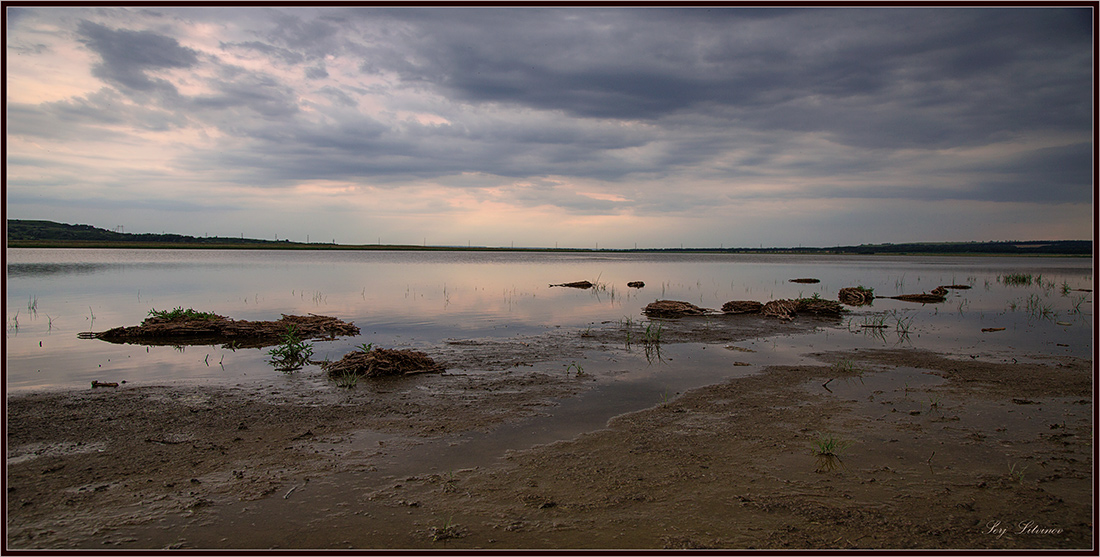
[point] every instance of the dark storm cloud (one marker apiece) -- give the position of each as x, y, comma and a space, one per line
907, 77
127, 55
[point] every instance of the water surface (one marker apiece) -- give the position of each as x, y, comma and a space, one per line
421, 299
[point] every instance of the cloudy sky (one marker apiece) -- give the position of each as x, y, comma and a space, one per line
557, 126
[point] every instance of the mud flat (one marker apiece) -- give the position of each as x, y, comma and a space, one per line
936, 453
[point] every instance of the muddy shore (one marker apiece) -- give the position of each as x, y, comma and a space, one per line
937, 452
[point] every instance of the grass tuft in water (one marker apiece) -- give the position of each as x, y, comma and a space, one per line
1017, 279
292, 354
830, 445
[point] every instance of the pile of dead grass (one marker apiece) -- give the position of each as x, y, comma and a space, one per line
382, 362
672, 308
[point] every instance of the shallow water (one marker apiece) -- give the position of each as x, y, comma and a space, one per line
421, 299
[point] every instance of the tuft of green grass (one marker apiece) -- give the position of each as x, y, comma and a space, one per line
346, 380
292, 354
448, 531
1015, 474
652, 335
182, 314
830, 445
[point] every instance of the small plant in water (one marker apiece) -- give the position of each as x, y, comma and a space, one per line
575, 366
830, 445
366, 347
828, 448
346, 380
292, 354
652, 335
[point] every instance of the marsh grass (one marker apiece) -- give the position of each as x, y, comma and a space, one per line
180, 314
1017, 279
1036, 308
1077, 303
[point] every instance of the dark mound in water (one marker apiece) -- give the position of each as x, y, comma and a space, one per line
806, 280
382, 362
217, 329
579, 284
636, 284
742, 306
671, 308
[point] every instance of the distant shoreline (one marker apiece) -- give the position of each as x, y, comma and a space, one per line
296, 246
48, 234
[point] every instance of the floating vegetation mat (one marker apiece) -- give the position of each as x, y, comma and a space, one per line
222, 330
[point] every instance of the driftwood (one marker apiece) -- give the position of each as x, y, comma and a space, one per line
670, 308
957, 286
636, 284
742, 306
382, 362
856, 296
806, 280
579, 284
222, 330
939, 291
96, 384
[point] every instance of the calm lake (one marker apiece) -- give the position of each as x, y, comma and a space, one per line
423, 299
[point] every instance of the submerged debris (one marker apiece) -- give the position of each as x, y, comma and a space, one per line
742, 306
671, 308
806, 280
579, 284
220, 329
957, 286
920, 298
382, 362
856, 295
636, 284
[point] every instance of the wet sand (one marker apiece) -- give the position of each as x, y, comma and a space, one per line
940, 452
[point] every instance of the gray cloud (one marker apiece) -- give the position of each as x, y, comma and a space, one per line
127, 55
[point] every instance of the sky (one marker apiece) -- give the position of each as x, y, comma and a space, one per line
561, 126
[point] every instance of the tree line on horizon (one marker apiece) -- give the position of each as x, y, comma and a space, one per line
19, 230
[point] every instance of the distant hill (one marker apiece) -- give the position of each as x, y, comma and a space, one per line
42, 233
36, 231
